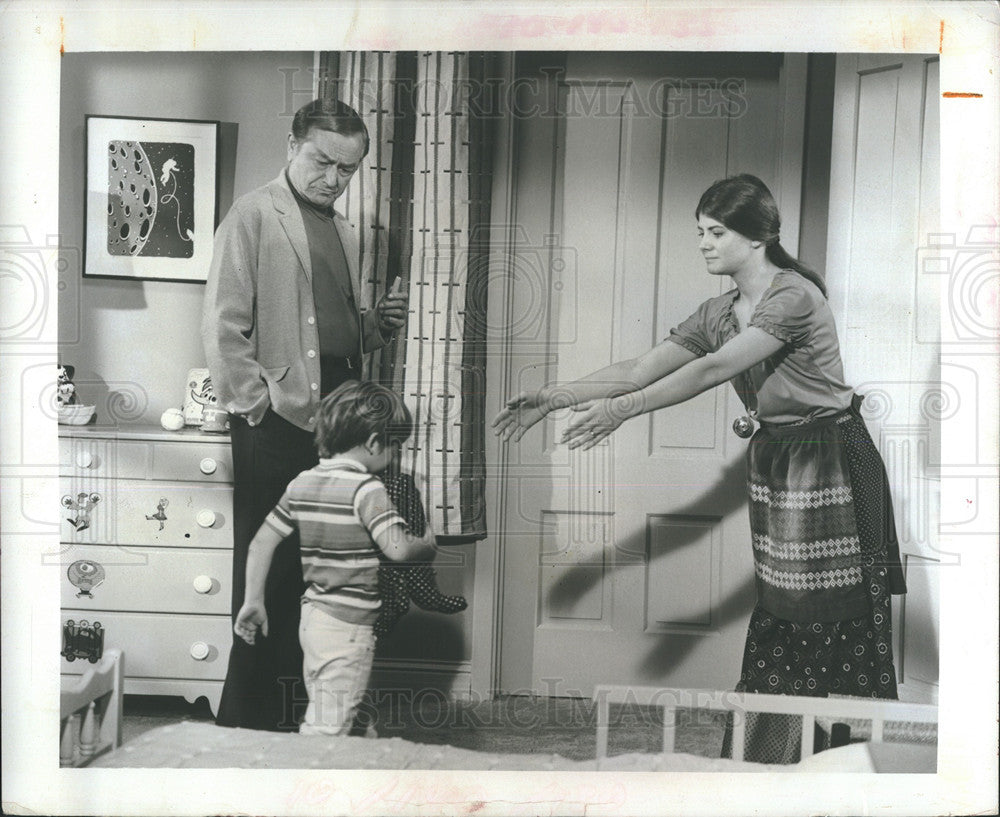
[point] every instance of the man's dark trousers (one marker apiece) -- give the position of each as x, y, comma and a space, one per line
264, 688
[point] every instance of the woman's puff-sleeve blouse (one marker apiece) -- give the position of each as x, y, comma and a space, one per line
805, 379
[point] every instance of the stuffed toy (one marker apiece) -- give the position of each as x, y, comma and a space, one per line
398, 584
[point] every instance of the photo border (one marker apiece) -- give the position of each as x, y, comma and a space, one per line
964, 33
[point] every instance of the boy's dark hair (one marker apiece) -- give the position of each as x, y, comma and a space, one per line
354, 411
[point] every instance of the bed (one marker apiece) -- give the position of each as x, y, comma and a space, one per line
888, 736
197, 745
200, 745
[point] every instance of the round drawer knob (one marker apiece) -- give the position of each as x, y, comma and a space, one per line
202, 584
208, 465
199, 651
84, 459
205, 518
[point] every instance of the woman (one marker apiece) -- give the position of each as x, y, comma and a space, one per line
823, 533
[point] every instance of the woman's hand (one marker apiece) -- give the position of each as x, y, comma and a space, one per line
597, 420
520, 414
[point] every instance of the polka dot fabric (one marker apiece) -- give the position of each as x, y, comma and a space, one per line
399, 584
849, 657
872, 503
405, 496
782, 657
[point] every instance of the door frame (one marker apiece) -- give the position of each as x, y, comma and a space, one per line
489, 553
488, 606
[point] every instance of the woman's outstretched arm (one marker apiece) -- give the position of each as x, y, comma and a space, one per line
747, 349
527, 408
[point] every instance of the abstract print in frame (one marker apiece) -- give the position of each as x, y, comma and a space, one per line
151, 204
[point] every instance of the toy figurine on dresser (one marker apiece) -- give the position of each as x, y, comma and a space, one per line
201, 406
65, 390
69, 411
200, 409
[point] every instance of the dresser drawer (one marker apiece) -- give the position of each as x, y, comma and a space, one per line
161, 646
133, 512
208, 460
171, 580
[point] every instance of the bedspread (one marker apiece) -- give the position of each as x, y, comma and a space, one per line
206, 746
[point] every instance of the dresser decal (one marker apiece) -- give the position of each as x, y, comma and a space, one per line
85, 575
161, 511
82, 505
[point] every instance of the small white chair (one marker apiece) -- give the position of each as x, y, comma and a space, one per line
90, 711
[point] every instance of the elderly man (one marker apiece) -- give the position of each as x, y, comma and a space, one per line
282, 327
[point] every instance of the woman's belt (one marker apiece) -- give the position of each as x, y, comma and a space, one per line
854, 410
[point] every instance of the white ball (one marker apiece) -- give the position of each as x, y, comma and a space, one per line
172, 419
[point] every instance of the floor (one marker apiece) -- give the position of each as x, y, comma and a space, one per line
510, 724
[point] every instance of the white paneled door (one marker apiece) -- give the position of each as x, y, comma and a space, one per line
883, 240
630, 563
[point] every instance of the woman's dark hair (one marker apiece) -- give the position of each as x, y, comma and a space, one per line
354, 411
744, 204
332, 115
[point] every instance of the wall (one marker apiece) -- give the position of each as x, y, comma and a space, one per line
815, 211
132, 342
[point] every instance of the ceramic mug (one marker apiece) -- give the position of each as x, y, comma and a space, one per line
215, 420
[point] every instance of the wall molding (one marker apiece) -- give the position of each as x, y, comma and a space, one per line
450, 679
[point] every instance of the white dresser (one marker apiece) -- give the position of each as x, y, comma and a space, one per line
147, 537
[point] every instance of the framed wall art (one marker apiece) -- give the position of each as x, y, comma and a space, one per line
151, 201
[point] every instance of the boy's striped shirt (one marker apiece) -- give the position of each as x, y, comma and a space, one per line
343, 515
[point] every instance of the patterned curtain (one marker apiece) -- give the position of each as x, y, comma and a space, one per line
367, 85
421, 207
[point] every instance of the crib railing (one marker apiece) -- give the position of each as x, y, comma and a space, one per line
90, 710
877, 712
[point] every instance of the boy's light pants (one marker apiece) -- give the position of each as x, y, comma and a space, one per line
336, 664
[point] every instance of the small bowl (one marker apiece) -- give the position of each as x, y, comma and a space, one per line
75, 415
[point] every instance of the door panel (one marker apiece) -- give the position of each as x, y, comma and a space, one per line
630, 563
691, 568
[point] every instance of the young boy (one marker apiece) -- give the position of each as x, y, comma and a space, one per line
344, 517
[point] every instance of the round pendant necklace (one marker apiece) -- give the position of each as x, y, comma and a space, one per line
744, 426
